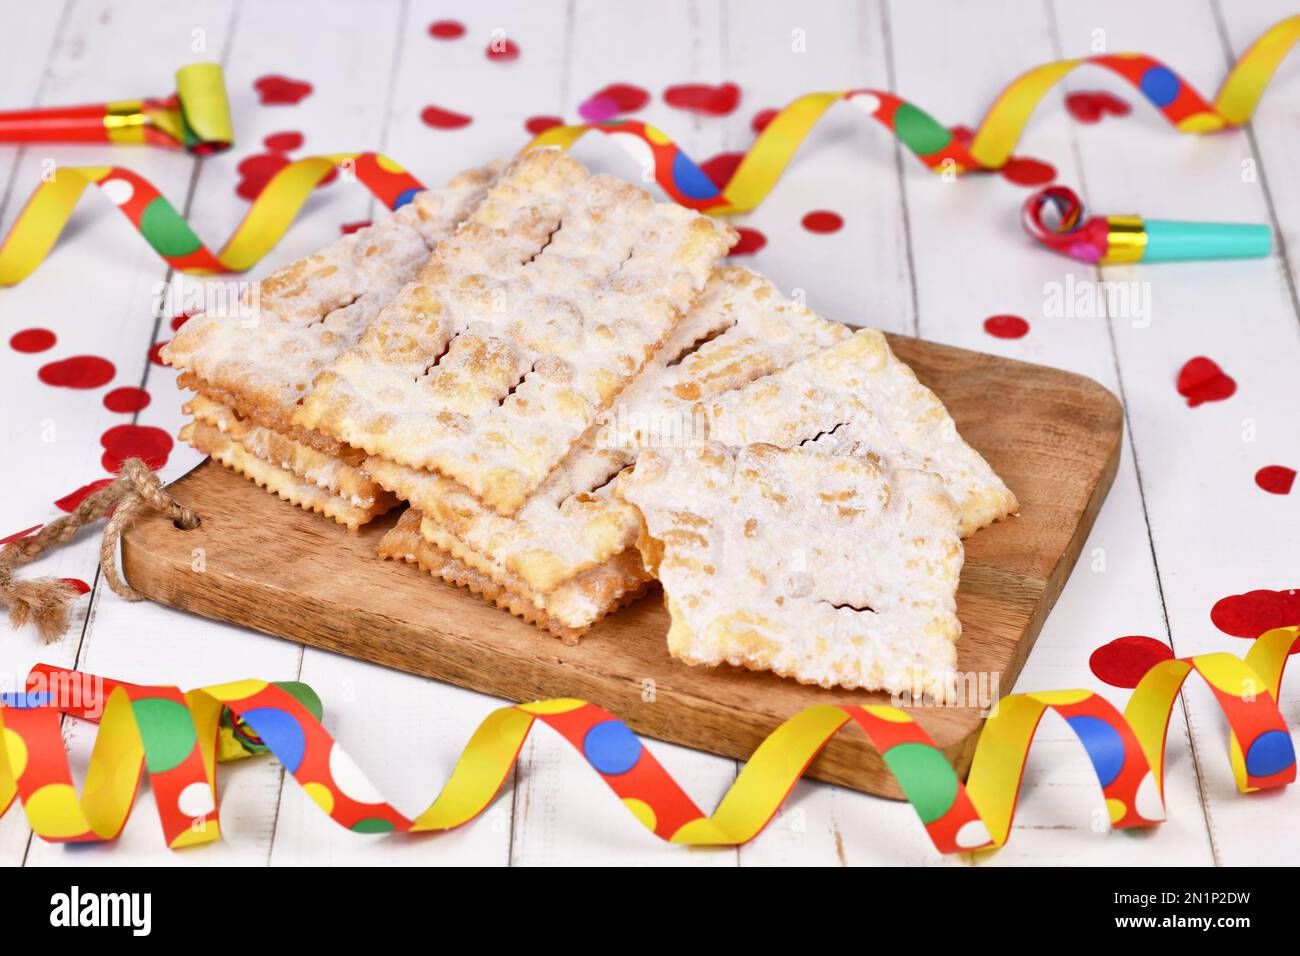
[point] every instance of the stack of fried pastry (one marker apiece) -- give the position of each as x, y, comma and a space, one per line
576, 398
251, 365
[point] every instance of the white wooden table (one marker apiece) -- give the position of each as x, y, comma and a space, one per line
1184, 524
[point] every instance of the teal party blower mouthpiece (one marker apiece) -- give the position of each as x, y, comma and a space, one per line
1054, 216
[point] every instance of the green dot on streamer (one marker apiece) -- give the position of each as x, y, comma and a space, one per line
372, 825
167, 732
925, 776
919, 131
166, 231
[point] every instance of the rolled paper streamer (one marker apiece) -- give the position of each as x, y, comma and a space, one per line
171, 734
1108, 240
195, 118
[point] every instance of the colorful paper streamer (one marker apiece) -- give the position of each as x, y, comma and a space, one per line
178, 738
47, 211
196, 118
681, 178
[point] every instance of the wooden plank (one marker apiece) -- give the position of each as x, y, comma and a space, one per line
971, 261
1054, 436
560, 815
1213, 531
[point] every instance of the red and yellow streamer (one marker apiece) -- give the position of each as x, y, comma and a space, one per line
681, 178
178, 737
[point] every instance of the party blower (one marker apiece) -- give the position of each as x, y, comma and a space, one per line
196, 118
1054, 216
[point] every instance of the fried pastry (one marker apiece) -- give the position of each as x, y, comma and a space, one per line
831, 569
521, 329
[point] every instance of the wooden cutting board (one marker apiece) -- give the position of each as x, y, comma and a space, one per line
1053, 436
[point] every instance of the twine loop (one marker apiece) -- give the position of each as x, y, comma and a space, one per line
46, 601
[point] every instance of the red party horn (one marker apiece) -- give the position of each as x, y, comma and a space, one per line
195, 118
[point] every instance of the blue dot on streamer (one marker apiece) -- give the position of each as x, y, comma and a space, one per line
1160, 85
611, 747
1272, 752
1104, 745
405, 196
690, 179
25, 701
280, 732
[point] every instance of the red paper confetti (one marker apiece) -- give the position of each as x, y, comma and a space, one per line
702, 98
1006, 326
439, 118
1024, 171
1124, 661
762, 118
502, 50
121, 442
1091, 107
750, 241
69, 502
540, 124
19, 535
285, 142
611, 101
1251, 614
721, 167
78, 585
155, 353
823, 221
1201, 380
257, 171
1276, 479
128, 399
446, 29
32, 340
350, 227
276, 90
80, 371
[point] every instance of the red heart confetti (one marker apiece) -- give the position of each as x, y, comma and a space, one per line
128, 399
80, 371
78, 585
446, 29
540, 124
155, 353
179, 320
1124, 661
1201, 380
276, 90
285, 142
762, 118
823, 221
32, 340
19, 535
439, 118
121, 442
702, 98
70, 501
502, 50
721, 168
1276, 479
1251, 614
257, 171
1006, 326
1089, 107
750, 241
1024, 171
611, 101
350, 227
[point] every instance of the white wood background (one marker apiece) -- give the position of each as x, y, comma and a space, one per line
1184, 524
